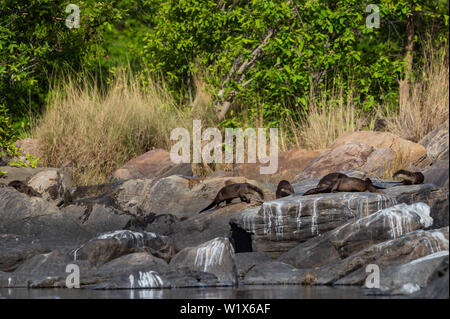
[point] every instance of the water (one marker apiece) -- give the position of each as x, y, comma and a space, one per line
243, 292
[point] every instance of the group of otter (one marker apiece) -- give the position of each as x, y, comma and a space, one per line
333, 182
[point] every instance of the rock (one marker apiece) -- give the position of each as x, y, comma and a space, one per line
175, 195
275, 273
41, 271
289, 164
413, 245
29, 146
408, 278
22, 174
149, 165
124, 265
51, 184
386, 224
215, 256
246, 261
436, 143
207, 226
280, 225
15, 250
438, 285
437, 174
440, 211
411, 152
37, 218
109, 246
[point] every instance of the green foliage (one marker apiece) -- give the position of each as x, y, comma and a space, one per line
319, 44
36, 44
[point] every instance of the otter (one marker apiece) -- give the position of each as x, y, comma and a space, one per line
24, 188
325, 183
232, 191
284, 189
408, 177
338, 182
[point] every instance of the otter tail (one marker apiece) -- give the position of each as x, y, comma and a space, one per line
377, 187
208, 207
317, 190
401, 174
257, 190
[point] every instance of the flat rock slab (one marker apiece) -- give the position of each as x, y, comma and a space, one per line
282, 224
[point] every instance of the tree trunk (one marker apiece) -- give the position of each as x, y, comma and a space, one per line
404, 84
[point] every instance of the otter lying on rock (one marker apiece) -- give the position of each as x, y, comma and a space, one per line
232, 191
409, 178
338, 182
24, 188
284, 189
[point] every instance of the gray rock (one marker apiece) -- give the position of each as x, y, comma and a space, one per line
412, 276
246, 261
437, 174
386, 224
15, 250
436, 143
111, 245
440, 211
37, 218
438, 286
414, 245
215, 256
275, 273
282, 224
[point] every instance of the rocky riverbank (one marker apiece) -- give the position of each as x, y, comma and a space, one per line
143, 229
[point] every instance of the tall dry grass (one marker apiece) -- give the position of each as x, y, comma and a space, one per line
97, 131
326, 119
428, 104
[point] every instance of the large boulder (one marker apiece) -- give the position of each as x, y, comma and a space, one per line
386, 224
410, 152
280, 225
179, 196
38, 218
352, 156
412, 276
413, 245
150, 165
436, 143
111, 245
215, 256
289, 164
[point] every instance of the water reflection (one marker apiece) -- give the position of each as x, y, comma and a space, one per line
242, 292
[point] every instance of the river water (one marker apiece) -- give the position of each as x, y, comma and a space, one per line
242, 292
